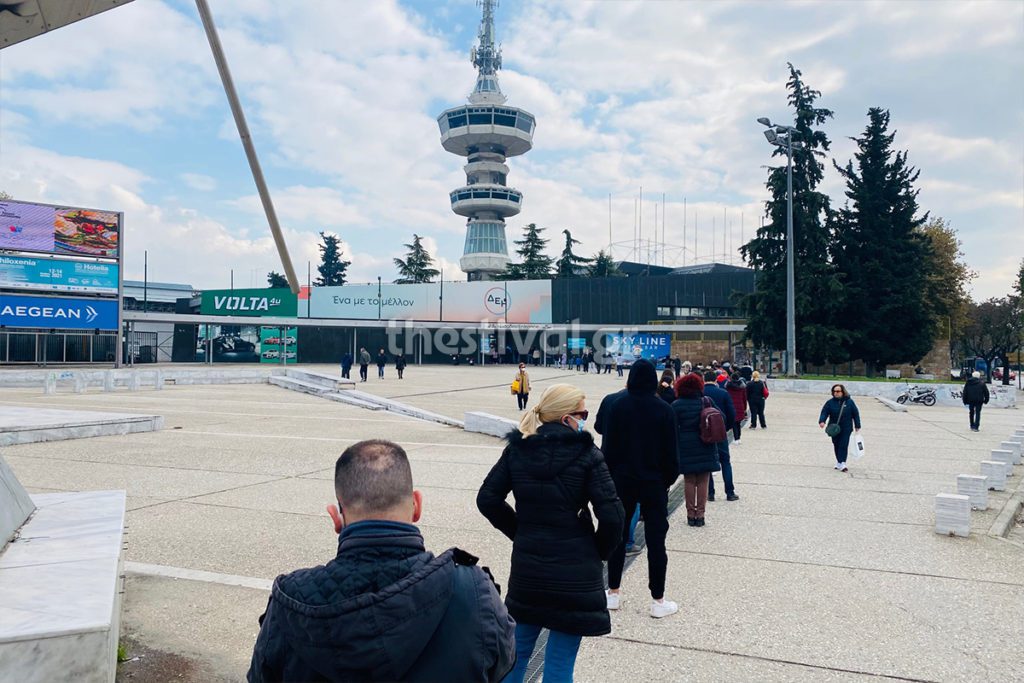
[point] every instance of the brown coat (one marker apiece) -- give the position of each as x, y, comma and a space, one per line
524, 382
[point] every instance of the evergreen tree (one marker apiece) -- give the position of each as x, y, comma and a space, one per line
947, 277
332, 268
818, 338
417, 266
603, 266
882, 254
535, 264
569, 264
277, 281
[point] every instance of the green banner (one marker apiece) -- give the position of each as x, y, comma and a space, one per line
279, 345
250, 302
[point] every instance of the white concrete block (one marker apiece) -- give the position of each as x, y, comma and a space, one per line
108, 380
996, 473
975, 487
1013, 446
485, 423
15, 504
1005, 457
952, 514
50, 384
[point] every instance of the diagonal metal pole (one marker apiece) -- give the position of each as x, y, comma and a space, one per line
250, 150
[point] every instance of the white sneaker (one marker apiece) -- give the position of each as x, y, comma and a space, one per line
663, 608
613, 600
737, 442
843, 467
837, 466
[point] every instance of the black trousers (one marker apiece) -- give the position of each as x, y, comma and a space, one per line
840, 444
756, 412
975, 414
653, 500
346, 371
362, 371
523, 400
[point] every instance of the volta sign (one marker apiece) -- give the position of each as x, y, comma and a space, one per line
58, 313
250, 302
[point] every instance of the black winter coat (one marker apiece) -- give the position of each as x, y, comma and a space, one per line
755, 392
695, 456
848, 417
604, 410
975, 391
666, 394
557, 578
640, 434
385, 609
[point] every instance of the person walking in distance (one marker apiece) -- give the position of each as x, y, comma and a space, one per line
840, 410
640, 449
382, 360
697, 460
521, 386
619, 363
346, 365
975, 395
384, 608
737, 390
557, 475
722, 401
757, 393
400, 365
364, 363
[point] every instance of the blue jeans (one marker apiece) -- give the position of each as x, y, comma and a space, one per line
723, 458
559, 657
632, 527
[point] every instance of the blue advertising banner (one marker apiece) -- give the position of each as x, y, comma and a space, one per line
57, 275
649, 346
58, 312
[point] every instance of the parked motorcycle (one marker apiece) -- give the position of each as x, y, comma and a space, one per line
925, 395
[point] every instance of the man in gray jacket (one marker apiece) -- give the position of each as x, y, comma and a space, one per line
364, 363
384, 609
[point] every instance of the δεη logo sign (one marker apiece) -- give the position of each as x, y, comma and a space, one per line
57, 312
496, 301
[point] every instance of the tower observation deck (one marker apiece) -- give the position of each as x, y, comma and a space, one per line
486, 132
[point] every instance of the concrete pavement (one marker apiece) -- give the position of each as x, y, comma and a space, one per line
812, 575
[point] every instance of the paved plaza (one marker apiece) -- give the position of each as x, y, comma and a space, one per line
813, 575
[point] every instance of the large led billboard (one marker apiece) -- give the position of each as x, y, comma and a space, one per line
527, 301
59, 313
25, 226
57, 275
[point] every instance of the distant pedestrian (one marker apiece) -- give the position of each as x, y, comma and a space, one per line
400, 365
578, 362
536, 356
608, 362
697, 460
666, 388
842, 411
364, 363
724, 404
619, 363
346, 365
562, 361
494, 355
677, 366
382, 360
975, 395
737, 390
757, 393
640, 448
521, 386
557, 476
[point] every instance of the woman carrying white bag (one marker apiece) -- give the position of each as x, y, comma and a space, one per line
840, 418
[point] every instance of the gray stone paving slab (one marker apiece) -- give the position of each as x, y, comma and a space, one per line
882, 623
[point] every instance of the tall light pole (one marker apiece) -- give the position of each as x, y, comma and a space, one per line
782, 136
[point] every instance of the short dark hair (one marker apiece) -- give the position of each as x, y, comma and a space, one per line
373, 476
710, 375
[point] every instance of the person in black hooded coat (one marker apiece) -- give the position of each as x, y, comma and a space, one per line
555, 471
640, 447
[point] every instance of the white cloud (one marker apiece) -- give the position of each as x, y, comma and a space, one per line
198, 181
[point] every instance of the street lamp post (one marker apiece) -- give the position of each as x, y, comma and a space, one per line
782, 136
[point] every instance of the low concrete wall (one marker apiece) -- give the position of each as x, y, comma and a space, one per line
485, 423
945, 394
147, 376
15, 504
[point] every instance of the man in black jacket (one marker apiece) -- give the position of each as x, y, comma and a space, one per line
975, 395
640, 448
384, 609
720, 397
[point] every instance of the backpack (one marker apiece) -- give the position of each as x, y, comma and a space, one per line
712, 423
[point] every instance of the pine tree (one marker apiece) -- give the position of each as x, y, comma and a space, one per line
603, 266
881, 253
818, 338
276, 281
332, 268
569, 264
417, 267
535, 264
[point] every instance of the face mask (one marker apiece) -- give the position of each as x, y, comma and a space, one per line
580, 425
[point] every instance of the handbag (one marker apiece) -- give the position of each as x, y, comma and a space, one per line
515, 386
765, 391
833, 428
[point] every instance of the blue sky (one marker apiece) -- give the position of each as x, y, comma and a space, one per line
125, 111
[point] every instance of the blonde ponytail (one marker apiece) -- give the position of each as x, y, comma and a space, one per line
556, 401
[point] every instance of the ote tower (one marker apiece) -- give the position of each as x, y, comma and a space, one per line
486, 132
